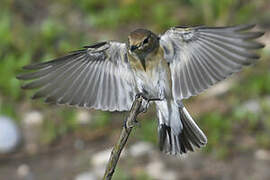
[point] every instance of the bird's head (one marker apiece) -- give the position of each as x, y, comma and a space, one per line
142, 42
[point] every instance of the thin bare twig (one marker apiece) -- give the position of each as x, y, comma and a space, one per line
118, 147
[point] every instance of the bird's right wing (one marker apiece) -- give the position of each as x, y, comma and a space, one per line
202, 56
98, 77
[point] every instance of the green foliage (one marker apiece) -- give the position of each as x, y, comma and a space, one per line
114, 14
256, 84
218, 130
56, 126
9, 65
121, 175
101, 119
211, 10
49, 132
5, 27
242, 115
263, 140
143, 176
7, 109
222, 128
222, 11
51, 32
147, 131
70, 123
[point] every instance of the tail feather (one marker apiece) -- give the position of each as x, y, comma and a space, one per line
191, 129
187, 145
185, 140
168, 142
195, 133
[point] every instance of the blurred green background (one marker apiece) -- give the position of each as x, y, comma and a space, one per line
235, 119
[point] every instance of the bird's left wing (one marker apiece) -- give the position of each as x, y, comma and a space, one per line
98, 77
202, 56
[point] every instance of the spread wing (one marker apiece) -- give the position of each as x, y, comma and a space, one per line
202, 56
98, 77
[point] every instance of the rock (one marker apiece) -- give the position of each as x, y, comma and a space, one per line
169, 175
252, 106
157, 171
100, 170
99, 162
9, 135
101, 158
33, 118
83, 117
140, 148
24, 172
32, 127
86, 176
262, 154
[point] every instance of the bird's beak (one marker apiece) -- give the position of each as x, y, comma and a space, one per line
142, 60
143, 63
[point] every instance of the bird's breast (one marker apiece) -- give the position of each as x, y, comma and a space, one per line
155, 79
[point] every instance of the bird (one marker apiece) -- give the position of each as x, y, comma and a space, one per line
164, 68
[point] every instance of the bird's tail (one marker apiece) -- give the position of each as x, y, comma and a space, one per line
178, 133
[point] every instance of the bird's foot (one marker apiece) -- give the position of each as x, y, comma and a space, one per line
146, 101
147, 98
144, 106
155, 99
141, 95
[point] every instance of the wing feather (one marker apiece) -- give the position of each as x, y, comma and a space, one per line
202, 56
98, 77
75, 97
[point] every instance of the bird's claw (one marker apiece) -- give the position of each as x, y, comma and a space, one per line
148, 98
141, 95
146, 101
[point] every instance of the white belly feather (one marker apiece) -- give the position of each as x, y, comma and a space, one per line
154, 82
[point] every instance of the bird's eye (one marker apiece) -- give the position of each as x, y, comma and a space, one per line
145, 41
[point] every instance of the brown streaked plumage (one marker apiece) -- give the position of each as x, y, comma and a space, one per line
170, 67
142, 42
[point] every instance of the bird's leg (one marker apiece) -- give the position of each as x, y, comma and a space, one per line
148, 98
156, 99
141, 95
144, 106
145, 102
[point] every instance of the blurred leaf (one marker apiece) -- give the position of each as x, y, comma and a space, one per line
121, 175
218, 130
9, 65
5, 29
101, 119
7, 109
147, 131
